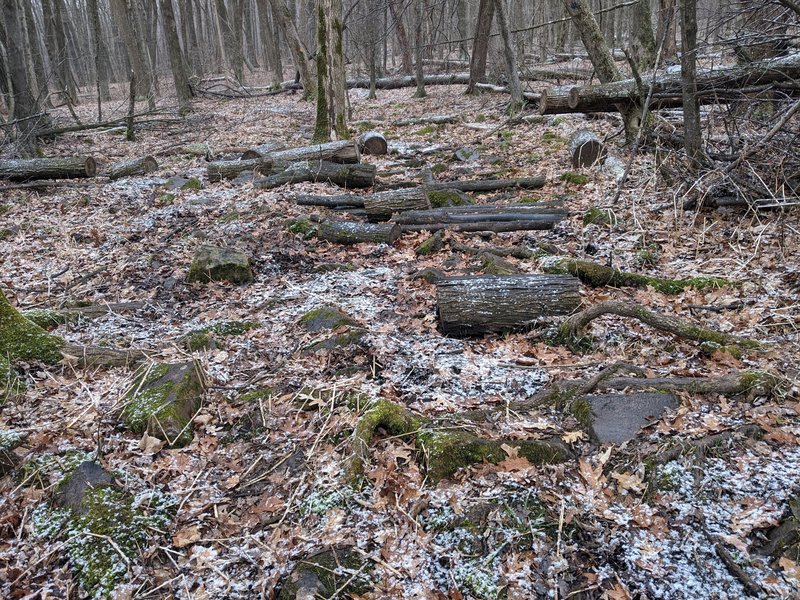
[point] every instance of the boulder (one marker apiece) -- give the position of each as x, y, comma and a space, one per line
212, 263
163, 399
617, 418
9, 440
323, 575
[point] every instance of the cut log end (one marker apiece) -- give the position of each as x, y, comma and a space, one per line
586, 149
373, 143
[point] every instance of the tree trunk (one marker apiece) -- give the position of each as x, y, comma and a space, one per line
135, 166
402, 37
644, 42
503, 303
191, 50
43, 93
24, 103
322, 122
692, 133
344, 151
346, 232
514, 86
480, 45
666, 29
373, 143
337, 86
351, 176
394, 83
515, 217
125, 26
489, 185
270, 45
419, 74
602, 59
57, 49
264, 150
229, 169
289, 29
233, 51
47, 168
176, 59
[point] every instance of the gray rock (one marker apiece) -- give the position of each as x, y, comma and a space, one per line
617, 418
88, 476
212, 263
466, 154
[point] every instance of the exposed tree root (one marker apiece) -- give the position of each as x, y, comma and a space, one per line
98, 356
572, 332
699, 447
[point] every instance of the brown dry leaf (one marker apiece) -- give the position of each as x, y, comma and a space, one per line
790, 568
570, 437
187, 536
150, 444
629, 481
231, 482
591, 475
518, 463
618, 592
511, 451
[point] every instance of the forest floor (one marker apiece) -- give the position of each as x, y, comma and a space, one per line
263, 485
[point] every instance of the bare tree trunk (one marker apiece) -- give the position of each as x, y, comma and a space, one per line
43, 92
322, 124
514, 86
270, 43
337, 77
603, 60
56, 49
289, 29
666, 28
125, 26
233, 51
176, 60
24, 102
644, 41
192, 51
100, 52
480, 45
402, 37
692, 134
419, 74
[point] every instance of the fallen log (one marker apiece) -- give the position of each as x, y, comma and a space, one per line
394, 83
555, 100
350, 232
585, 148
263, 150
372, 142
489, 185
502, 303
337, 201
48, 168
712, 85
380, 206
430, 120
230, 169
135, 166
344, 151
486, 217
350, 176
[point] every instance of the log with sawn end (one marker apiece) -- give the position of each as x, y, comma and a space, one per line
473, 305
135, 166
263, 150
48, 168
353, 232
230, 169
486, 217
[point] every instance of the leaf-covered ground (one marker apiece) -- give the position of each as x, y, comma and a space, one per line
263, 484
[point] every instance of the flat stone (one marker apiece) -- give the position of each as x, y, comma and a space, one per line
212, 263
617, 418
87, 476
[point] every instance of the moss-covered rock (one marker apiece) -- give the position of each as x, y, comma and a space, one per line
301, 226
449, 451
339, 340
9, 440
491, 264
49, 319
210, 337
163, 400
23, 340
326, 573
212, 263
784, 540
429, 275
104, 529
574, 178
326, 318
431, 245
449, 197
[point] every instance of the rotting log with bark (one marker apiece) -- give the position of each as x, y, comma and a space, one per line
229, 169
263, 150
337, 201
344, 151
503, 303
713, 85
380, 206
135, 166
555, 100
489, 185
486, 217
373, 143
585, 148
48, 168
348, 176
429, 120
351, 232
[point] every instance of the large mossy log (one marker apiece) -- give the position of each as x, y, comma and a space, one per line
712, 84
48, 168
487, 217
344, 151
343, 175
502, 303
135, 166
350, 232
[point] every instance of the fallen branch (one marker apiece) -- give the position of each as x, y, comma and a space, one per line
351, 176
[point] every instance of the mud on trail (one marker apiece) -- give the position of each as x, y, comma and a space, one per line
262, 495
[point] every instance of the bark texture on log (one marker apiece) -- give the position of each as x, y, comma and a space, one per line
497, 218
382, 205
489, 185
344, 151
350, 176
712, 85
585, 148
502, 303
135, 166
373, 142
394, 83
263, 150
555, 100
337, 201
349, 232
48, 168
229, 169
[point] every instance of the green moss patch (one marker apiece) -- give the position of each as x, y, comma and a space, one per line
9, 440
209, 338
326, 318
491, 264
341, 570
163, 400
432, 245
449, 197
599, 216
549, 137
339, 340
23, 340
301, 226
49, 319
574, 178
427, 130
211, 263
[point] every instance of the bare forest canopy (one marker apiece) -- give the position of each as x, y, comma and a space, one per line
437, 299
